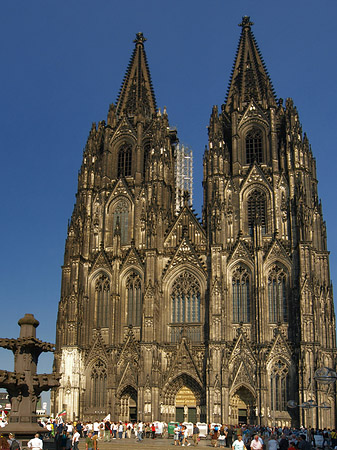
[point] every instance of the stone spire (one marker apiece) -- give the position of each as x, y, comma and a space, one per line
136, 95
249, 79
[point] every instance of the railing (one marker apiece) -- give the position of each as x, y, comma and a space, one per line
191, 332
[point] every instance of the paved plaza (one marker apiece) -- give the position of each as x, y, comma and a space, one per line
153, 444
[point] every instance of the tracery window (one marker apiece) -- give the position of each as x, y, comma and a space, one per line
277, 295
134, 299
279, 386
102, 295
121, 219
256, 205
254, 146
185, 298
241, 295
98, 385
124, 161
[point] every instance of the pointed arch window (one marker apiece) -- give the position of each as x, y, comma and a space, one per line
241, 287
185, 299
185, 308
102, 295
124, 161
254, 146
277, 295
279, 386
98, 385
134, 299
257, 206
121, 219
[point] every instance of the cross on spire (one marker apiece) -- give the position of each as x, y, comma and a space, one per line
246, 23
140, 38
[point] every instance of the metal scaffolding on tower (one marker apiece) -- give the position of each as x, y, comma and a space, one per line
183, 175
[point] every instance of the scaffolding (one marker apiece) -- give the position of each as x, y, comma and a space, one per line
183, 175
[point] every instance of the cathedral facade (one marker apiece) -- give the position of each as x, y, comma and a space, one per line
166, 317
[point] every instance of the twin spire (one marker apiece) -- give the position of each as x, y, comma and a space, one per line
136, 95
249, 78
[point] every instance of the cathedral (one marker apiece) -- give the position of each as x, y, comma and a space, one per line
167, 317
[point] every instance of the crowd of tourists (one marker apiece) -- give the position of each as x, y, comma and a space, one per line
67, 435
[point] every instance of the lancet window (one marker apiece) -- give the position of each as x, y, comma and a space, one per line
124, 161
134, 299
121, 220
256, 204
102, 295
279, 386
241, 295
277, 295
254, 146
98, 384
185, 299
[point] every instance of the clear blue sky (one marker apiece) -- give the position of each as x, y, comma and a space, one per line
62, 65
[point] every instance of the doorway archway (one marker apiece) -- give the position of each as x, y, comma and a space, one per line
183, 399
128, 404
242, 406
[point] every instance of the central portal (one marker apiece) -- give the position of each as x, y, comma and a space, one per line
186, 406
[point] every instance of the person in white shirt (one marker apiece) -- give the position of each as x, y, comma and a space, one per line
36, 443
256, 443
238, 444
96, 428
75, 440
140, 431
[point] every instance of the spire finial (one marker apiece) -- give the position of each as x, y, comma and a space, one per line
246, 23
140, 39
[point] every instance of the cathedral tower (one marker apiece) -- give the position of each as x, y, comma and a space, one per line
162, 317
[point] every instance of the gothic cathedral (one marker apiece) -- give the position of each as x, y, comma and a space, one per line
166, 317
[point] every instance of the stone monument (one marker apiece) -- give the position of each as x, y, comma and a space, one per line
24, 385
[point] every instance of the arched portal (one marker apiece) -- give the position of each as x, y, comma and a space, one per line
186, 405
242, 406
183, 399
128, 405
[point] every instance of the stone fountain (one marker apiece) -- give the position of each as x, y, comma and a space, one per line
24, 385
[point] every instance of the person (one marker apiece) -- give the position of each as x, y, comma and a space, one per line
176, 435
107, 426
185, 437
4, 444
76, 439
195, 435
36, 443
229, 437
283, 443
89, 444
272, 443
13, 443
256, 444
222, 436
140, 431
238, 444
153, 430
214, 436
